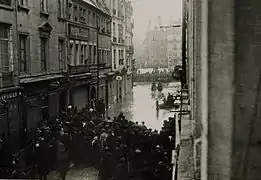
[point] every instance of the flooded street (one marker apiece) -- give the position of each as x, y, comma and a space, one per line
140, 105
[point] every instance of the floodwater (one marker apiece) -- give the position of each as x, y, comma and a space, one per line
140, 105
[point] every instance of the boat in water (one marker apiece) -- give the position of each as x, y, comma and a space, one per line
168, 103
153, 87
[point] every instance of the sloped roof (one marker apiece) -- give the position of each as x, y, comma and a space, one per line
100, 4
90, 2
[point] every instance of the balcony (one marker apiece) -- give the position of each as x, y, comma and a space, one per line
78, 69
7, 79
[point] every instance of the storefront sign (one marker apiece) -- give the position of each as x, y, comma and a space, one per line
10, 95
79, 33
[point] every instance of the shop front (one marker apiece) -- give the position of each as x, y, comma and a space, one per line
42, 101
10, 116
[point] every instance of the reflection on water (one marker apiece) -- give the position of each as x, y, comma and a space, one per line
140, 105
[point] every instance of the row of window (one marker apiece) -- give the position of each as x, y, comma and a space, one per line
76, 13
84, 53
24, 51
79, 14
120, 55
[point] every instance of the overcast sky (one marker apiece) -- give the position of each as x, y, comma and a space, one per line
145, 10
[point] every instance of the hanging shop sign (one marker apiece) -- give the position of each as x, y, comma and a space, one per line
9, 95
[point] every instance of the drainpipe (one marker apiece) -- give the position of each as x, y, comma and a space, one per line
204, 90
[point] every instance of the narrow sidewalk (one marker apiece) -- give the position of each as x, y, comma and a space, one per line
185, 162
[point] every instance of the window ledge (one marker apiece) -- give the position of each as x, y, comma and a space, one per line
6, 7
45, 14
61, 19
23, 8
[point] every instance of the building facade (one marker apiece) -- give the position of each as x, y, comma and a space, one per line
174, 47
89, 45
122, 45
10, 92
156, 49
224, 74
52, 54
163, 47
41, 60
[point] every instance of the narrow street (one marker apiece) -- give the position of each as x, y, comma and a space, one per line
140, 105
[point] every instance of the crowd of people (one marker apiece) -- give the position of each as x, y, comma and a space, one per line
120, 149
154, 76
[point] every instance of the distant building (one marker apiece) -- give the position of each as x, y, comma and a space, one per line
162, 47
174, 48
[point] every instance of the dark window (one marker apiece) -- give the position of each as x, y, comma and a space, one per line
61, 53
43, 54
23, 53
6, 2
61, 8
94, 54
23, 2
90, 53
4, 39
76, 13
76, 54
43, 5
93, 19
82, 54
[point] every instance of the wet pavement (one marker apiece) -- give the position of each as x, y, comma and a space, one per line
140, 105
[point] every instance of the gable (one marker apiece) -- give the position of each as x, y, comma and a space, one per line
46, 27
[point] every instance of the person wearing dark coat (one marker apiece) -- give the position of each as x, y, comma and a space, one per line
62, 165
122, 170
106, 168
